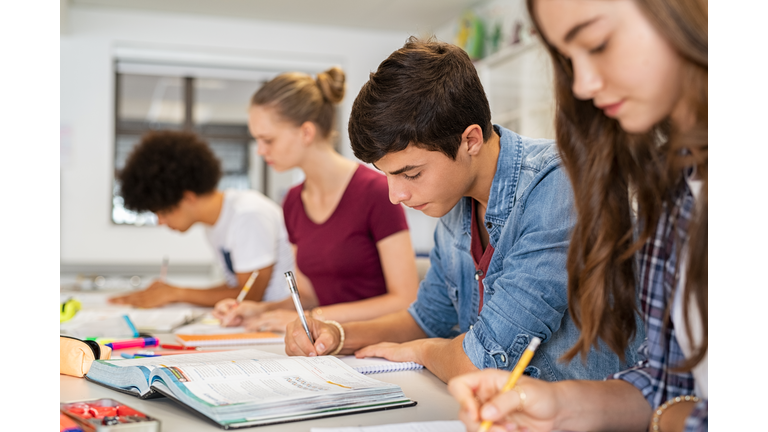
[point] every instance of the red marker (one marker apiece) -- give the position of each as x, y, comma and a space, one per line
177, 347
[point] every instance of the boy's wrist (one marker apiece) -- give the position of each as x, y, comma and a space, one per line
179, 294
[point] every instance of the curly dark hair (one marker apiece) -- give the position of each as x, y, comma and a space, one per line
164, 165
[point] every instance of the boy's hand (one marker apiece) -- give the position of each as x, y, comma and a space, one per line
232, 314
157, 294
398, 352
274, 320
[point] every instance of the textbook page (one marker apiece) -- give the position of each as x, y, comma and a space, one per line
433, 426
269, 379
200, 357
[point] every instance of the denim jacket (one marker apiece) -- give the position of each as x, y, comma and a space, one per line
529, 218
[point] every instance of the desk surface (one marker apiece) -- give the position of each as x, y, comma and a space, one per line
434, 403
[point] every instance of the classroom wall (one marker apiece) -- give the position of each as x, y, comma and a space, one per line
88, 237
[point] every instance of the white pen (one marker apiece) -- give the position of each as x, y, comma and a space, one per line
297, 301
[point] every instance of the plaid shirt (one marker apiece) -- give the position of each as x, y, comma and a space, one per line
657, 261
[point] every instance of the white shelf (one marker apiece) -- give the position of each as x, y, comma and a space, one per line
505, 54
517, 81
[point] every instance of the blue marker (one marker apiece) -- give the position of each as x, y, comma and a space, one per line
133, 356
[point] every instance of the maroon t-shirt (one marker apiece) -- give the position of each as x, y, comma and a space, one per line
481, 258
339, 256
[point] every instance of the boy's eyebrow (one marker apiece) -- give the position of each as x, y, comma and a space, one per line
404, 169
577, 28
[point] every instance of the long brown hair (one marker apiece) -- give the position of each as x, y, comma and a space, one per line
609, 168
298, 98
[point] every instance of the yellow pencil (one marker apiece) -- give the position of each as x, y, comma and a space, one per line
247, 286
515, 375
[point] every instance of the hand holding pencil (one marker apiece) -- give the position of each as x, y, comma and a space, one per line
500, 399
231, 312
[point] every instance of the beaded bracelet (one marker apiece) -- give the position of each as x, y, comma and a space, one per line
660, 410
341, 340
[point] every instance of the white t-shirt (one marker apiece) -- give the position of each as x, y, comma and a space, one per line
249, 235
694, 316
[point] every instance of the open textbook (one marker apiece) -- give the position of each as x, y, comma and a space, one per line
250, 387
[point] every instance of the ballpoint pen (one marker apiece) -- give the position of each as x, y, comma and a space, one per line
297, 301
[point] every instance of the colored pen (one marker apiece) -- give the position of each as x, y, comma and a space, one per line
515, 375
177, 347
137, 355
247, 287
297, 302
165, 353
133, 343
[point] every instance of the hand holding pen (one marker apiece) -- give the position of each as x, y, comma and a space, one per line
327, 338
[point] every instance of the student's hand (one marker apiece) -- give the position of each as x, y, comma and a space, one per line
157, 294
274, 320
399, 352
232, 314
479, 398
297, 343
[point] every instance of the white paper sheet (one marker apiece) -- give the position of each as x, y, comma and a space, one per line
434, 426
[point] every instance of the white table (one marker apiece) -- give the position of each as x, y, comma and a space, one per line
434, 402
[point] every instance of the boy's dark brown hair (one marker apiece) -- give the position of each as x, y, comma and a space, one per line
426, 93
163, 166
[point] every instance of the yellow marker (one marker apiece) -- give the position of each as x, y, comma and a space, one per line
515, 375
331, 382
68, 309
247, 286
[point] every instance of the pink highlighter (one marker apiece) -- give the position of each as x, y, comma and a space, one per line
133, 343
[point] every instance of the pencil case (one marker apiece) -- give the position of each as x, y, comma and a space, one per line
108, 415
77, 355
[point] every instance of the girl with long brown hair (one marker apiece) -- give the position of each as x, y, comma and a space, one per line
631, 89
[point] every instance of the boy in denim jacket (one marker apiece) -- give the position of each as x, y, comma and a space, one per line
497, 275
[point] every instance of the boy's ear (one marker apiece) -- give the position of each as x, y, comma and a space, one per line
308, 132
473, 137
188, 197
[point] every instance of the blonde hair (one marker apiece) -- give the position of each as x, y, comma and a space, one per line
299, 98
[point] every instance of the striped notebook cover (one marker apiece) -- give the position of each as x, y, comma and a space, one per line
229, 339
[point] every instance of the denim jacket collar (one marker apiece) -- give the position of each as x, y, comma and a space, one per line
502, 195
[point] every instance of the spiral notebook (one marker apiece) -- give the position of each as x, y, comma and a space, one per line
207, 340
370, 365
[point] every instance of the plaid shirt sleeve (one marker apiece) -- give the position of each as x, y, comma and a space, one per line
656, 264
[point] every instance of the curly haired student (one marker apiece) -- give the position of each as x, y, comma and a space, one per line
174, 174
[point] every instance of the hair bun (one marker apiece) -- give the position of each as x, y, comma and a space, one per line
331, 83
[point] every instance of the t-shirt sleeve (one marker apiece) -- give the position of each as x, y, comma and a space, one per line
384, 218
289, 213
253, 238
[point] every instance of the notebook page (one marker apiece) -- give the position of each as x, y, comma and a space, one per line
433, 426
376, 365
